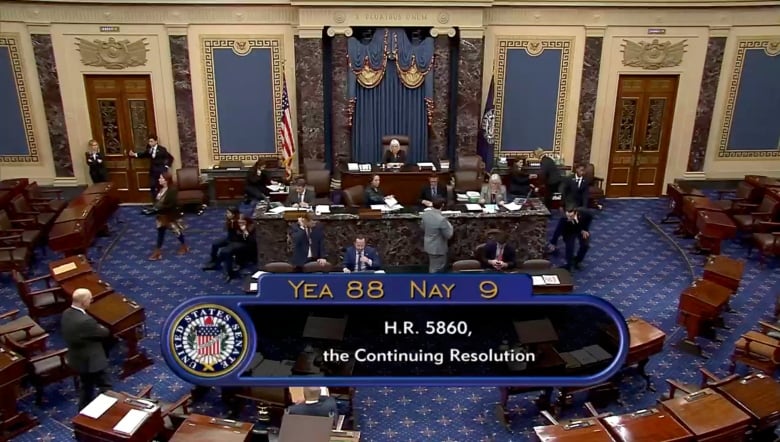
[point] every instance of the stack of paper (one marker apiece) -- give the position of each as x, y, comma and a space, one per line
426, 166
130, 423
353, 167
275, 187
444, 165
461, 197
364, 167
321, 208
513, 206
474, 207
98, 406
472, 194
545, 280
390, 201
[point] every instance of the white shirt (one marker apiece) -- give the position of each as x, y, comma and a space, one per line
308, 237
79, 309
579, 181
154, 151
300, 196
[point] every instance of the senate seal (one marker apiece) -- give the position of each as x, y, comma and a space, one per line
488, 125
208, 340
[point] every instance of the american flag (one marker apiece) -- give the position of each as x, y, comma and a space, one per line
288, 141
209, 340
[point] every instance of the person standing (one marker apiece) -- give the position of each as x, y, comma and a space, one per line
95, 161
257, 181
86, 353
549, 175
160, 160
437, 231
168, 216
308, 242
576, 229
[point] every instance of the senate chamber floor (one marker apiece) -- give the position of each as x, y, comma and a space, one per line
636, 263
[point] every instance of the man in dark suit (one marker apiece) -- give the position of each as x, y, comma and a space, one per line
314, 404
576, 229
433, 190
394, 154
359, 257
549, 175
85, 339
160, 160
574, 192
498, 255
300, 197
308, 241
96, 163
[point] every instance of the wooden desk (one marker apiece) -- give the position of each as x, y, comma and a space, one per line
564, 277
87, 429
709, 416
646, 340
647, 426
344, 436
692, 205
89, 281
585, 430
82, 220
405, 184
758, 395
713, 228
676, 192
13, 368
724, 271
200, 428
81, 263
125, 319
700, 307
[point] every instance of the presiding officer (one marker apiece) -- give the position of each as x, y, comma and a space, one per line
85, 339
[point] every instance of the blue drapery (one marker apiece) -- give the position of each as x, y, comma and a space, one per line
390, 93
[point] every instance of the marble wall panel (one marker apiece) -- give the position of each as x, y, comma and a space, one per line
469, 94
311, 117
342, 132
588, 92
52, 104
707, 92
438, 138
182, 87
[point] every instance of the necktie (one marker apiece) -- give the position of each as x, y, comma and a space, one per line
492, 198
433, 191
359, 263
579, 181
154, 152
500, 253
301, 196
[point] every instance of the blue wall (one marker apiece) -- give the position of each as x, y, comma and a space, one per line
245, 101
13, 136
756, 121
530, 100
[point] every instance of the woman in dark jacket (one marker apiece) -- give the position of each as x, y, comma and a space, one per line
257, 182
168, 216
519, 182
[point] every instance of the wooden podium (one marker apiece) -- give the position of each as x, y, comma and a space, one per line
692, 205
13, 368
724, 271
713, 228
700, 308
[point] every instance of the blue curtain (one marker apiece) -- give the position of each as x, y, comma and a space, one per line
383, 104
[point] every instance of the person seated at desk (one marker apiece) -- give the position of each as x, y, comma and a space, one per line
301, 197
257, 182
498, 255
360, 258
308, 242
394, 154
494, 192
314, 404
519, 182
433, 190
239, 240
373, 195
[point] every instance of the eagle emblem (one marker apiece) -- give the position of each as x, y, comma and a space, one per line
654, 55
112, 54
489, 125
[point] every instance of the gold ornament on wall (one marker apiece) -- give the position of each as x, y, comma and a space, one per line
112, 54
654, 55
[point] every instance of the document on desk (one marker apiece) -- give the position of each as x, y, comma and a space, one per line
130, 423
538, 280
472, 194
275, 187
98, 406
513, 206
474, 207
352, 167
252, 286
321, 208
552, 280
461, 197
64, 268
390, 201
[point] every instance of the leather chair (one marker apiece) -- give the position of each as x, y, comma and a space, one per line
596, 187
757, 350
313, 164
279, 267
20, 208
471, 162
48, 301
22, 329
30, 237
39, 197
14, 254
767, 211
314, 267
766, 239
319, 181
746, 193
190, 190
472, 264
536, 264
354, 196
467, 180
44, 369
403, 141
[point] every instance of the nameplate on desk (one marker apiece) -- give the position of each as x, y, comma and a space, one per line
293, 215
577, 424
226, 422
643, 413
696, 396
369, 214
540, 280
64, 268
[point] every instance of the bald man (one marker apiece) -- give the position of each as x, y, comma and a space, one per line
85, 339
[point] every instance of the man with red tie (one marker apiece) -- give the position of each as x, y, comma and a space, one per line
498, 255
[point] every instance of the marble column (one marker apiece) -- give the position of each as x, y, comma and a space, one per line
469, 94
308, 83
340, 105
182, 88
52, 104
707, 92
588, 92
438, 137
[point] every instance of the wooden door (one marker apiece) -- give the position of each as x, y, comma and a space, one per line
121, 113
640, 135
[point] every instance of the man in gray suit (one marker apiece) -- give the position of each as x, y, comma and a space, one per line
438, 231
86, 354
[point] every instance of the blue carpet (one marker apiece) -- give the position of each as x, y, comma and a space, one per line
631, 264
